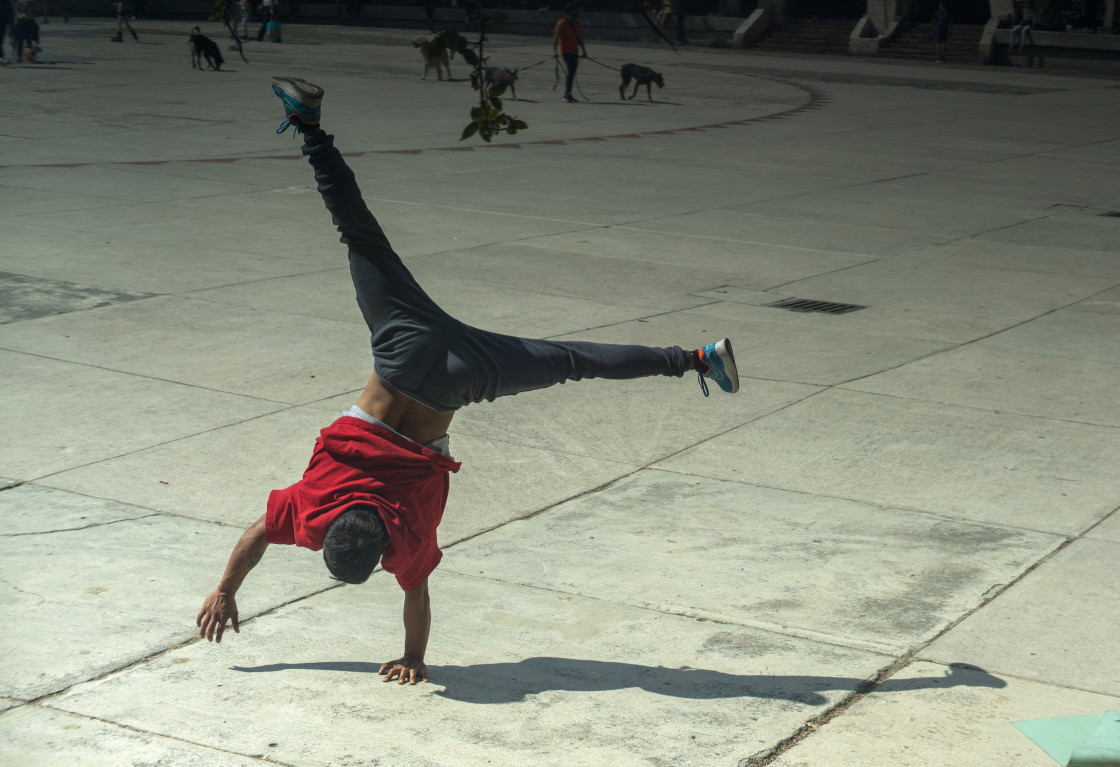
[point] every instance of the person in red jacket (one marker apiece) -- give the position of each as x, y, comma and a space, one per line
376, 486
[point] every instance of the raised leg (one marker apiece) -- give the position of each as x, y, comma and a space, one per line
422, 351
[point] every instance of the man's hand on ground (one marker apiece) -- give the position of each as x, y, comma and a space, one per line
404, 669
216, 610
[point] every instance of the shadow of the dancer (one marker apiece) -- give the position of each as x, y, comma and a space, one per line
513, 682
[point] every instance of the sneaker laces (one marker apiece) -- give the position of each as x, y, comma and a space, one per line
703, 383
297, 125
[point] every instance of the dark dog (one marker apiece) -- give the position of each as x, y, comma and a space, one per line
498, 76
641, 76
202, 47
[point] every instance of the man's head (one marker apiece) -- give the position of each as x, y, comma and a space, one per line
353, 544
571, 10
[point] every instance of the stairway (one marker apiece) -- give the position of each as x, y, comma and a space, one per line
807, 36
916, 44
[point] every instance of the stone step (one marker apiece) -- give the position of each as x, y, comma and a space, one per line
917, 44
807, 36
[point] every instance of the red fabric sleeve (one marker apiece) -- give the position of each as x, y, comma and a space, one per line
418, 567
280, 519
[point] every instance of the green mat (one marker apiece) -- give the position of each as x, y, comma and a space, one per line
1077, 741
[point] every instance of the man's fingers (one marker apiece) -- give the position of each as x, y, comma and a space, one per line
401, 674
234, 624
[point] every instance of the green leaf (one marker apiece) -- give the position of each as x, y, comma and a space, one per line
469, 131
470, 57
499, 89
436, 47
496, 103
519, 124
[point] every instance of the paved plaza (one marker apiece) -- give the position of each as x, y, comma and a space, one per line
898, 538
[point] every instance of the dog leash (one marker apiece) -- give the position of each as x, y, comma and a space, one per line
608, 66
575, 79
536, 64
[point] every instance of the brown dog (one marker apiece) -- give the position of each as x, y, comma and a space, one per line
641, 76
440, 62
202, 47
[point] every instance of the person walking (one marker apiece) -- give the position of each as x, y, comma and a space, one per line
7, 13
122, 24
941, 30
25, 32
377, 483
567, 42
270, 21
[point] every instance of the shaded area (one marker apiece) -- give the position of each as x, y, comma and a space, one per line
28, 298
515, 681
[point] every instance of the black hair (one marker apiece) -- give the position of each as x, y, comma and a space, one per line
571, 9
353, 544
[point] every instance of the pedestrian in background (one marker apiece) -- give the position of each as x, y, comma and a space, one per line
941, 30
6, 16
25, 33
122, 24
567, 42
1025, 23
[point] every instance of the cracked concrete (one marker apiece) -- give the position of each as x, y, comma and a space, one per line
893, 542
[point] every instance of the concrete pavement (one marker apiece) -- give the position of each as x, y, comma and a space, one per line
898, 538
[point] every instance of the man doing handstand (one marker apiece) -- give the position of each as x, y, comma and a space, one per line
375, 489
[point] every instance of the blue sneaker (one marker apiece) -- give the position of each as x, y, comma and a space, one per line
719, 365
301, 102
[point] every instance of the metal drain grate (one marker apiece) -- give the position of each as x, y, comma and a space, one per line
808, 305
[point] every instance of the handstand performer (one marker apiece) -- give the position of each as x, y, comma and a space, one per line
377, 483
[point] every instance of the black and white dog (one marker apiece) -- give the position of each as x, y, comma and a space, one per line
497, 76
641, 76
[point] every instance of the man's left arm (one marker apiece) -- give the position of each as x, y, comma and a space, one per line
410, 667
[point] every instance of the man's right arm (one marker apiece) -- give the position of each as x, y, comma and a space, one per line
221, 605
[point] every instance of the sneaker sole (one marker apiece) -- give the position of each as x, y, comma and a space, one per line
308, 94
729, 368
